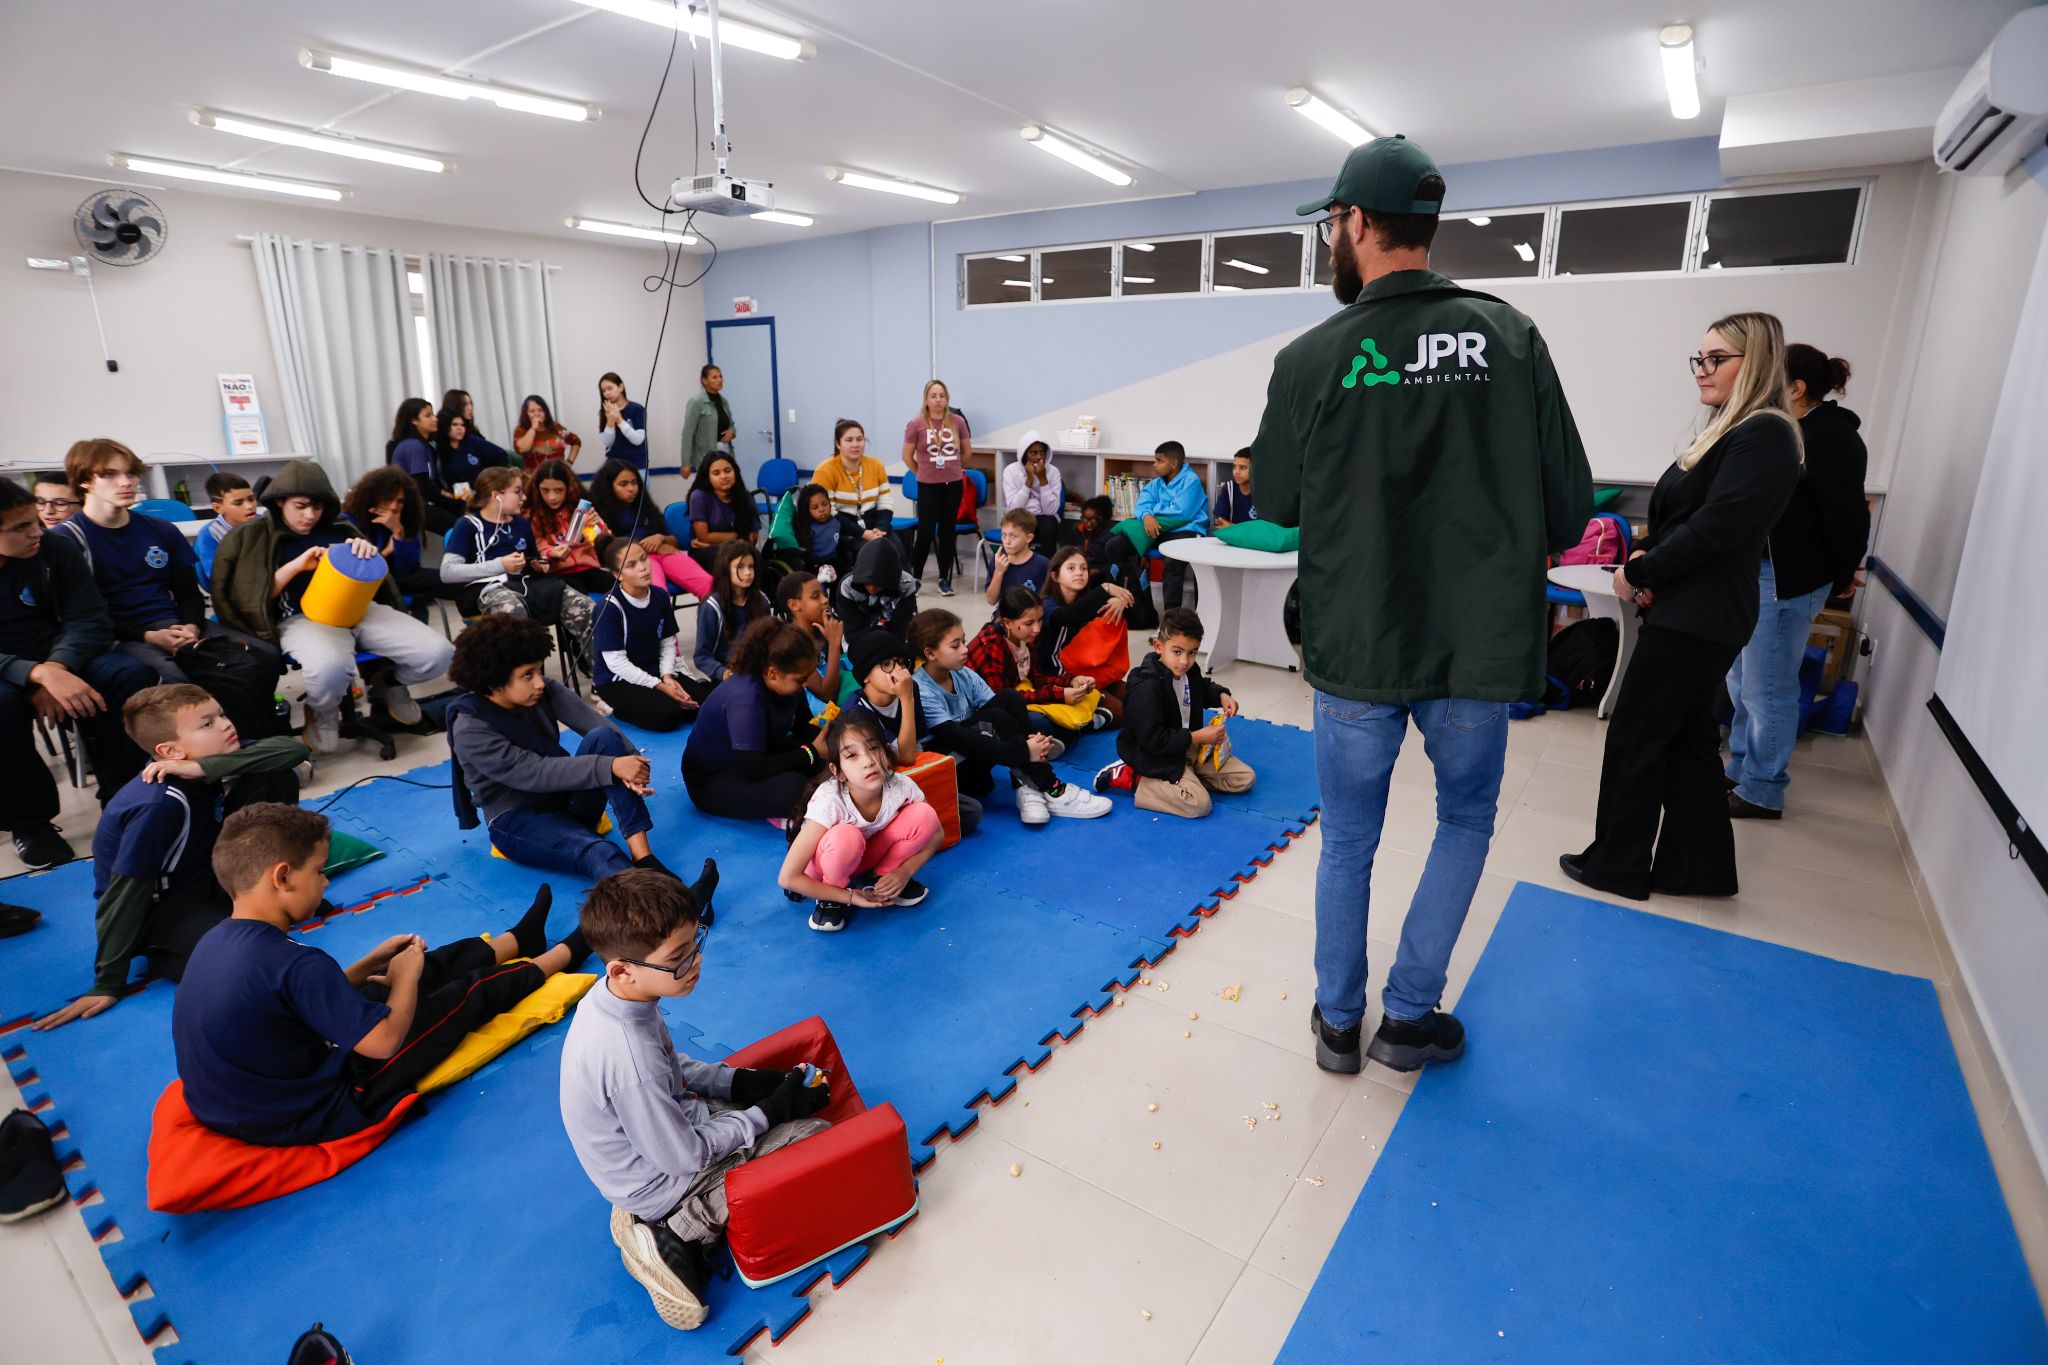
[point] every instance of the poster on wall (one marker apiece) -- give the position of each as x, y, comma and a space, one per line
242, 415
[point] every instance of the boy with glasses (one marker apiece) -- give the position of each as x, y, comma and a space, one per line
56, 500
658, 1132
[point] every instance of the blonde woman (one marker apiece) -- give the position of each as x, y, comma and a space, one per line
1694, 578
934, 448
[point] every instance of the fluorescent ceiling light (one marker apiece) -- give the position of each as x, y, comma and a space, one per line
1525, 251
785, 218
1327, 117
178, 171
1138, 246
644, 234
447, 87
1228, 288
286, 136
1019, 260
731, 32
861, 180
1674, 45
1247, 265
1045, 279
1016, 284
1139, 279
1072, 154
1480, 221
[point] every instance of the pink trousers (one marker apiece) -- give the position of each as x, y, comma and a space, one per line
844, 851
679, 569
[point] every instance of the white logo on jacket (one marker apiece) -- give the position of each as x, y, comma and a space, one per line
1430, 347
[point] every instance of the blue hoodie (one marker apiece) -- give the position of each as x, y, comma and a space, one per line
1178, 498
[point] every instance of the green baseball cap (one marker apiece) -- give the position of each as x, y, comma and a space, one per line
1382, 175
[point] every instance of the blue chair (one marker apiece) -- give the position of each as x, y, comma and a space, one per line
676, 517
166, 509
908, 523
1571, 597
777, 477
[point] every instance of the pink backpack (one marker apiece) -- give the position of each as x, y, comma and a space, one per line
1601, 544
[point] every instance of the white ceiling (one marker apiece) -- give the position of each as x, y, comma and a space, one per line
1186, 94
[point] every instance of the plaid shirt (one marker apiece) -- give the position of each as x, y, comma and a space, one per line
990, 655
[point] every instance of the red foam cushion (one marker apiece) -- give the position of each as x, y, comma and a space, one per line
805, 1201
807, 1040
192, 1168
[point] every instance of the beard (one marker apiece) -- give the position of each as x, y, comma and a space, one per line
1345, 281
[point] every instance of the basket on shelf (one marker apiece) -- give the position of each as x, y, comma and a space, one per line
1080, 438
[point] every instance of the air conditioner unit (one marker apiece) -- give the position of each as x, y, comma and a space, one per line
1999, 114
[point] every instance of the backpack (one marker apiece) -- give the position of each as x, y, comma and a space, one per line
1601, 544
1581, 659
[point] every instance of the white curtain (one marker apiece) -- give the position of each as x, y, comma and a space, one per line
341, 330
494, 335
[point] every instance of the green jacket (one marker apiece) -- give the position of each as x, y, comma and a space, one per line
245, 566
1420, 441
700, 428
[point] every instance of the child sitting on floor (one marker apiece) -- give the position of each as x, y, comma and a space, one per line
541, 803
801, 597
1017, 565
865, 817
279, 1044
754, 747
1098, 515
658, 1132
152, 855
888, 692
234, 502
1075, 597
1160, 752
988, 729
1002, 653
733, 604
876, 592
639, 653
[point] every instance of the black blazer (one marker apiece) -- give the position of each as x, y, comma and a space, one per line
1708, 525
1820, 539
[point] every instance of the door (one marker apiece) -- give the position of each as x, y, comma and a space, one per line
744, 349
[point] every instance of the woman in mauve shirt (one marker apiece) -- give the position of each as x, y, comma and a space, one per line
934, 447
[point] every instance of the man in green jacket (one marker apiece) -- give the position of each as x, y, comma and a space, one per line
1421, 442
707, 421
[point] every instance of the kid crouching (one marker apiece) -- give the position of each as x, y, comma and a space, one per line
1161, 749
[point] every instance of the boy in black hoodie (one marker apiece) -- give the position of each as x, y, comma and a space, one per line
876, 592
1158, 755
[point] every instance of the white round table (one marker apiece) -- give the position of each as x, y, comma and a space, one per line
1595, 582
1243, 599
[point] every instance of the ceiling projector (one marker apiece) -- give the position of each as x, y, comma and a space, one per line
721, 194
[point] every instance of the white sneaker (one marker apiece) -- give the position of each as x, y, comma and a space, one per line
323, 731
1077, 803
1059, 746
399, 703
673, 1299
1032, 808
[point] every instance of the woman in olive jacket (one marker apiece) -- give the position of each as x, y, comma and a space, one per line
1813, 551
1695, 580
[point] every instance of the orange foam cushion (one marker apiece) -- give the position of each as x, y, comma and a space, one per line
192, 1168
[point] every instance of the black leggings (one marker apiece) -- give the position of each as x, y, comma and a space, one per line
588, 580
462, 985
643, 706
938, 517
726, 792
991, 738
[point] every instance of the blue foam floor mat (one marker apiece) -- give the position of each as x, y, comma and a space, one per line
935, 1007
1671, 1143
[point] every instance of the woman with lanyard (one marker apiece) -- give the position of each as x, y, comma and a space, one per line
857, 482
707, 421
934, 444
486, 452
1034, 484
1694, 576
1813, 550
621, 424
540, 438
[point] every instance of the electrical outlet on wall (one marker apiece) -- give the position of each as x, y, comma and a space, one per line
792, 415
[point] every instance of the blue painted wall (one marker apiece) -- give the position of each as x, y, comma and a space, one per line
854, 313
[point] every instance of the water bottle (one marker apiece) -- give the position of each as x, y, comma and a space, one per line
284, 713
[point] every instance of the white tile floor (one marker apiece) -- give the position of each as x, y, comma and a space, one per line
1218, 1233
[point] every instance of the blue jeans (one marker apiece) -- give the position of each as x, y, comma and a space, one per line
1764, 685
1356, 745
562, 836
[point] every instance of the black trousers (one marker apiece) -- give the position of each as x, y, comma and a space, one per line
726, 792
28, 793
991, 738
643, 706
938, 519
1663, 759
462, 986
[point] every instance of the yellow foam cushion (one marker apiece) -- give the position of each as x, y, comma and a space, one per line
1070, 715
544, 1006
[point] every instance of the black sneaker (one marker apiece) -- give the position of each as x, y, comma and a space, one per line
829, 917
317, 1346
1405, 1044
17, 919
30, 1179
40, 846
1739, 809
913, 892
1336, 1048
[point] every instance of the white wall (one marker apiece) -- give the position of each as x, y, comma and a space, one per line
195, 311
1620, 347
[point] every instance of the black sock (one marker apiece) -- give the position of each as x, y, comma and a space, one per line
578, 948
531, 933
654, 864
704, 888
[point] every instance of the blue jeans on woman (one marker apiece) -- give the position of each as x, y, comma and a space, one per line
1356, 745
1764, 685
561, 835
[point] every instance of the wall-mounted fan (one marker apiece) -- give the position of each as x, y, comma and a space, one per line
120, 227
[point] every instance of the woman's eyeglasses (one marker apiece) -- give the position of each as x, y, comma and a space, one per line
1711, 361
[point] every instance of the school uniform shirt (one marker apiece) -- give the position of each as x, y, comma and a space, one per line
938, 706
461, 464
133, 565
404, 559
831, 804
718, 625
1030, 574
937, 451
416, 458
628, 440
735, 516
825, 539
1233, 505
473, 540
26, 621
741, 716
635, 639
263, 1025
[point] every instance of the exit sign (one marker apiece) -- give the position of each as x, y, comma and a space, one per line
743, 305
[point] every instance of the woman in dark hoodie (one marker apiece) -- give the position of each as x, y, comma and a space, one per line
1813, 551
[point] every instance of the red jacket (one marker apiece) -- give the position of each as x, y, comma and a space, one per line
990, 655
